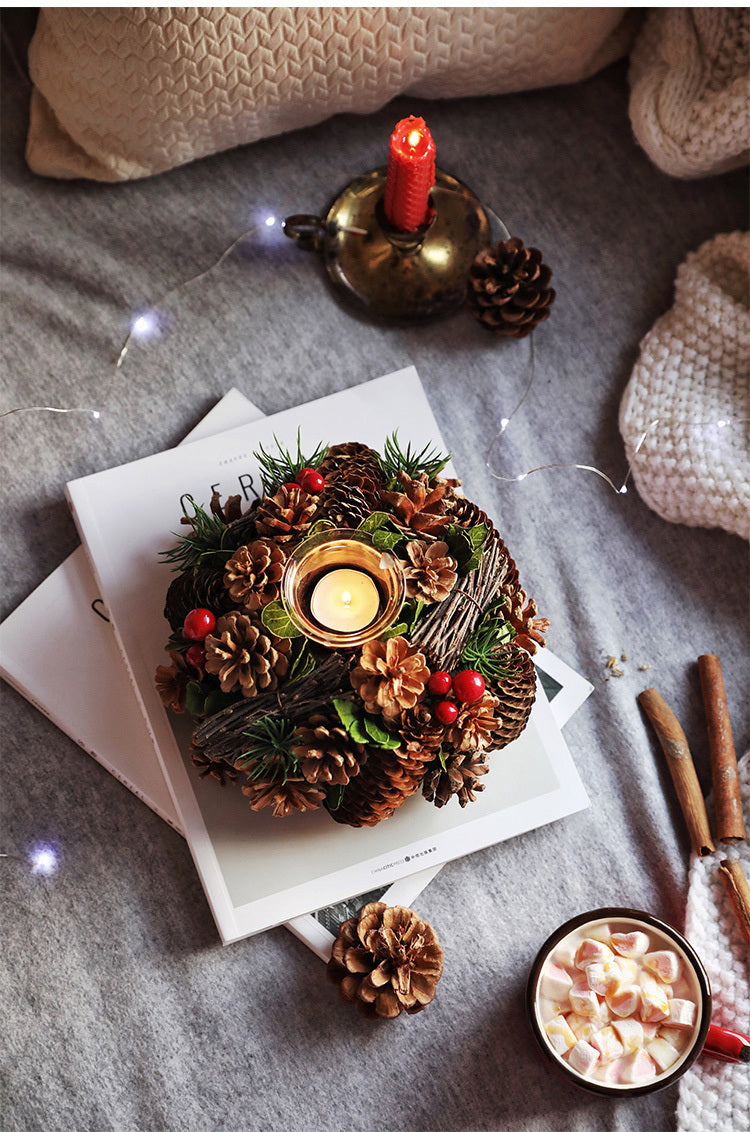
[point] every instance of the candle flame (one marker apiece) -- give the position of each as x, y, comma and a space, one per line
346, 597
414, 138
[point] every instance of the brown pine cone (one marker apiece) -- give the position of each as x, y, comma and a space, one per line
222, 771
202, 590
515, 697
253, 573
344, 505
521, 611
391, 676
421, 733
421, 505
229, 511
477, 725
460, 776
509, 289
325, 752
386, 961
242, 651
384, 783
171, 683
285, 516
351, 454
284, 798
431, 575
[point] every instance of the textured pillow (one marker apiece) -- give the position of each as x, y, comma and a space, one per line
691, 380
690, 89
128, 92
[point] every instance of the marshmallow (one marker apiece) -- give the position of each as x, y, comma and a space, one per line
560, 1035
565, 953
592, 951
611, 1073
629, 970
637, 1068
603, 977
650, 1030
625, 1000
583, 1058
681, 1013
630, 944
663, 1053
583, 1028
602, 932
664, 964
654, 1001
583, 999
608, 1043
630, 1033
555, 982
549, 1009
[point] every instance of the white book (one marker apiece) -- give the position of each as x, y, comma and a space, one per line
258, 871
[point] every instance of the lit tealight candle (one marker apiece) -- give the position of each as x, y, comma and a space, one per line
345, 600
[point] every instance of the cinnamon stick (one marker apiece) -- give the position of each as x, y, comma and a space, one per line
735, 883
680, 763
730, 827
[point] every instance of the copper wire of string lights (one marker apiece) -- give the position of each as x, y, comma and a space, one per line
145, 326
726, 422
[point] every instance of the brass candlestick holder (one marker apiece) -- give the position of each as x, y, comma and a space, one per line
392, 274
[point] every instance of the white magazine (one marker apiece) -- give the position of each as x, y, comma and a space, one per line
314, 861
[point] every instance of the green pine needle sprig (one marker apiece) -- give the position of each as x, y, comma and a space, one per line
268, 756
487, 649
394, 460
208, 543
276, 470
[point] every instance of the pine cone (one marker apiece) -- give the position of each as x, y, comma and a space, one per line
509, 288
350, 455
521, 611
391, 676
242, 651
515, 697
477, 725
285, 516
222, 771
253, 573
421, 505
325, 752
203, 590
284, 797
230, 511
432, 573
421, 733
386, 961
384, 783
344, 505
171, 683
460, 776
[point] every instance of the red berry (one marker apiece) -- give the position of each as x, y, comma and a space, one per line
310, 480
198, 624
468, 686
291, 486
446, 712
196, 655
440, 683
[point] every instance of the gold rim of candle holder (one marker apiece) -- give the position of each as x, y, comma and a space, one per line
398, 275
341, 548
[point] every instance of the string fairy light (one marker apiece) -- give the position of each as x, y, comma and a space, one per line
147, 325
43, 859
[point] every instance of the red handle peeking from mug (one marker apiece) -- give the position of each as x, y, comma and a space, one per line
726, 1045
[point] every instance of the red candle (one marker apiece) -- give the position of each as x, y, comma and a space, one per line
411, 175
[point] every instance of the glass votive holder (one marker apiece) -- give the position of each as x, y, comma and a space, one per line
340, 590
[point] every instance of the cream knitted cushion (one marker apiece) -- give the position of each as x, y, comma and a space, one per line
693, 379
690, 89
127, 92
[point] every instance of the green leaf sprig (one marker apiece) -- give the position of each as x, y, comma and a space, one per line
364, 728
277, 469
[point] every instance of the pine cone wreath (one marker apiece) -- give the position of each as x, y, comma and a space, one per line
459, 776
253, 574
386, 961
241, 652
509, 289
391, 676
286, 516
326, 753
431, 573
201, 590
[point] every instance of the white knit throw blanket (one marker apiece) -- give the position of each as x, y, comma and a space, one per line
715, 1094
685, 413
690, 89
